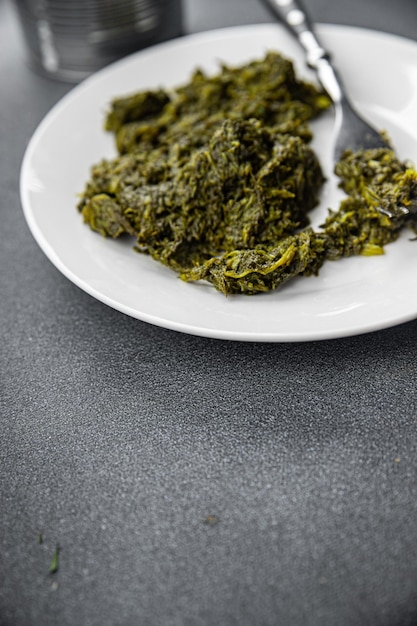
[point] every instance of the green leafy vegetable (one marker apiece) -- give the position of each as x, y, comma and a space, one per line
378, 185
53, 568
216, 180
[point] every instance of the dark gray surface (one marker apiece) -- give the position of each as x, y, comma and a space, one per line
119, 439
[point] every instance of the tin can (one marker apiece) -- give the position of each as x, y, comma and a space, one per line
70, 39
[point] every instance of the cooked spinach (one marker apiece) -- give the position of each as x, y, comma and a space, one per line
216, 180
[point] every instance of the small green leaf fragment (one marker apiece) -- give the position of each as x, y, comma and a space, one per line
372, 249
53, 568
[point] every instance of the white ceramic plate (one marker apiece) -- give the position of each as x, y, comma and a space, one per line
350, 296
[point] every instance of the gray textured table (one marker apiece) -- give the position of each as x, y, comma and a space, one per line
191, 481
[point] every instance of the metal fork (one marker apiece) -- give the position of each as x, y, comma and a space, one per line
352, 132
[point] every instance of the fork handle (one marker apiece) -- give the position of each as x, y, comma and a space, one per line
295, 18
